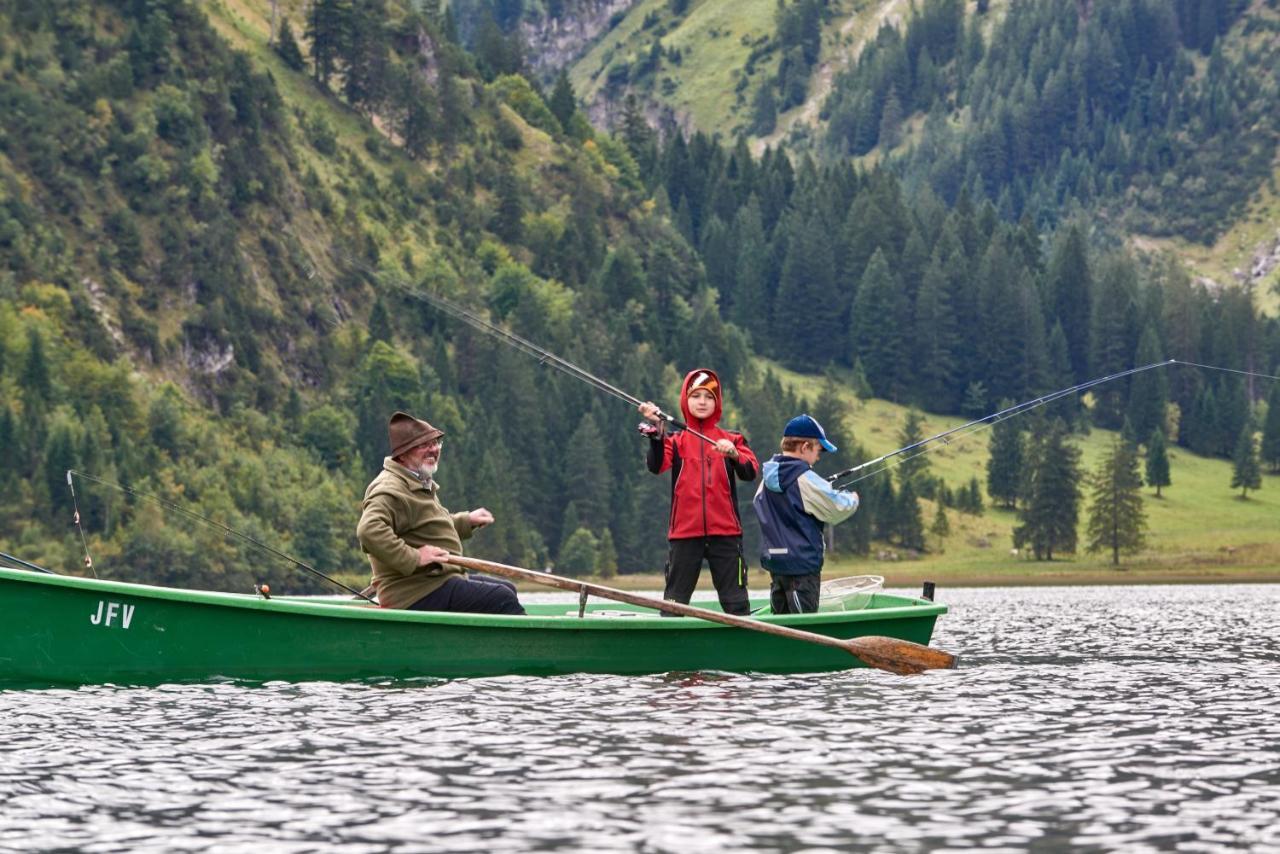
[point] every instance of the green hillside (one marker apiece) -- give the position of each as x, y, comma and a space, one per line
1198, 529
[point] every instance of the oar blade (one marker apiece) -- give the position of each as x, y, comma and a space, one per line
900, 656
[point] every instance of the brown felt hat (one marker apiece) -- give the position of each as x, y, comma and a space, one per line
407, 432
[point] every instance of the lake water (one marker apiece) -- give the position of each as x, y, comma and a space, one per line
1119, 718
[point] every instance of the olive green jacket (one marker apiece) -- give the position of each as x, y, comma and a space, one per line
399, 514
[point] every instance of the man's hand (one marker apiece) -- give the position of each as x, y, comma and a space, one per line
480, 517
432, 554
726, 447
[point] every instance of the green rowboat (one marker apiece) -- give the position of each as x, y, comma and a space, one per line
63, 630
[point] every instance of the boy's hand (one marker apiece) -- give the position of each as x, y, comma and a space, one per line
650, 410
726, 447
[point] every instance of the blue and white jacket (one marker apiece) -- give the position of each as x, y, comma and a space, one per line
794, 504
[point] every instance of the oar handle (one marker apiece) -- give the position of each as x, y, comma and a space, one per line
896, 656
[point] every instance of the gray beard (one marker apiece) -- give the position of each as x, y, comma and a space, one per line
428, 470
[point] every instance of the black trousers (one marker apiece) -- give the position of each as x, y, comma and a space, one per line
728, 571
795, 594
472, 596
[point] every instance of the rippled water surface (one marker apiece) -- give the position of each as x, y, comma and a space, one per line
1089, 718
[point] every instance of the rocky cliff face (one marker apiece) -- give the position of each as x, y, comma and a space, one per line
556, 42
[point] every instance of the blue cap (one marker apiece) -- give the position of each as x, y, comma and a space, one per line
807, 427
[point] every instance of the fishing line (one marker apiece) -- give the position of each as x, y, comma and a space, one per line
218, 525
88, 558
977, 425
524, 345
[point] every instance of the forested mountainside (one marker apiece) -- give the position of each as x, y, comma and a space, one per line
212, 238
1157, 116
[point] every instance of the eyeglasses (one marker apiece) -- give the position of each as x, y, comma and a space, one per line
433, 445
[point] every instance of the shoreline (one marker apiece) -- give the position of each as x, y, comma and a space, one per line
905, 577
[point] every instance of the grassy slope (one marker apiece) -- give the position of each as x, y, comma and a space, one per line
1199, 530
710, 36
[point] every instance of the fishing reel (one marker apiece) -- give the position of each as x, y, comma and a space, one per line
649, 430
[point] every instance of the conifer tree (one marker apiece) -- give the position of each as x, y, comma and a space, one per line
915, 465
587, 481
1149, 390
1271, 431
937, 376
35, 380
879, 314
1116, 519
910, 525
941, 527
974, 503
287, 47
1157, 462
606, 556
1050, 513
1246, 471
563, 104
1006, 461
579, 555
326, 30
1070, 288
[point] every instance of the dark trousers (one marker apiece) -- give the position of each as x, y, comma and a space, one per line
728, 571
795, 594
472, 596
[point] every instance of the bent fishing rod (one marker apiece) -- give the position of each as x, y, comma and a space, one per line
170, 505
1025, 406
524, 345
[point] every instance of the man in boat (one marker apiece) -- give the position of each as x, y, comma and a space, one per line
704, 523
409, 535
794, 505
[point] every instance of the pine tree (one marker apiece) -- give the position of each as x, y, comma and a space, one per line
1246, 471
1157, 462
1006, 461
1070, 287
1271, 431
1149, 390
327, 32
1116, 518
563, 105
35, 379
879, 316
910, 525
764, 110
287, 47
941, 527
587, 481
915, 466
606, 556
578, 557
1050, 514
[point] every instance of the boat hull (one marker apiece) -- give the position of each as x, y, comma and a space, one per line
59, 630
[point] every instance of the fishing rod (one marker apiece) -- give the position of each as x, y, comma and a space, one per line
24, 564
194, 515
1020, 408
524, 345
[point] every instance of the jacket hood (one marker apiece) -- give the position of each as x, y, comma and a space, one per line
781, 471
696, 377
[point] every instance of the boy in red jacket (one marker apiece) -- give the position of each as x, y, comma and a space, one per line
704, 509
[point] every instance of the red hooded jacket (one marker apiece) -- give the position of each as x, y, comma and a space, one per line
703, 482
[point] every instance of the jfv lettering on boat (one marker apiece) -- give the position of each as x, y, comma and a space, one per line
109, 611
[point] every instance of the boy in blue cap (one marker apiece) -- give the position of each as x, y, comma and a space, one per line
794, 505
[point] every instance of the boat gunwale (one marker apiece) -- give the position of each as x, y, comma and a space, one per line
360, 611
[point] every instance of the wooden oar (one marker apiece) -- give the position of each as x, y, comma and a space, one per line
896, 656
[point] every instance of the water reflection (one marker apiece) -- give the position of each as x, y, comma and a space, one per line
1107, 718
